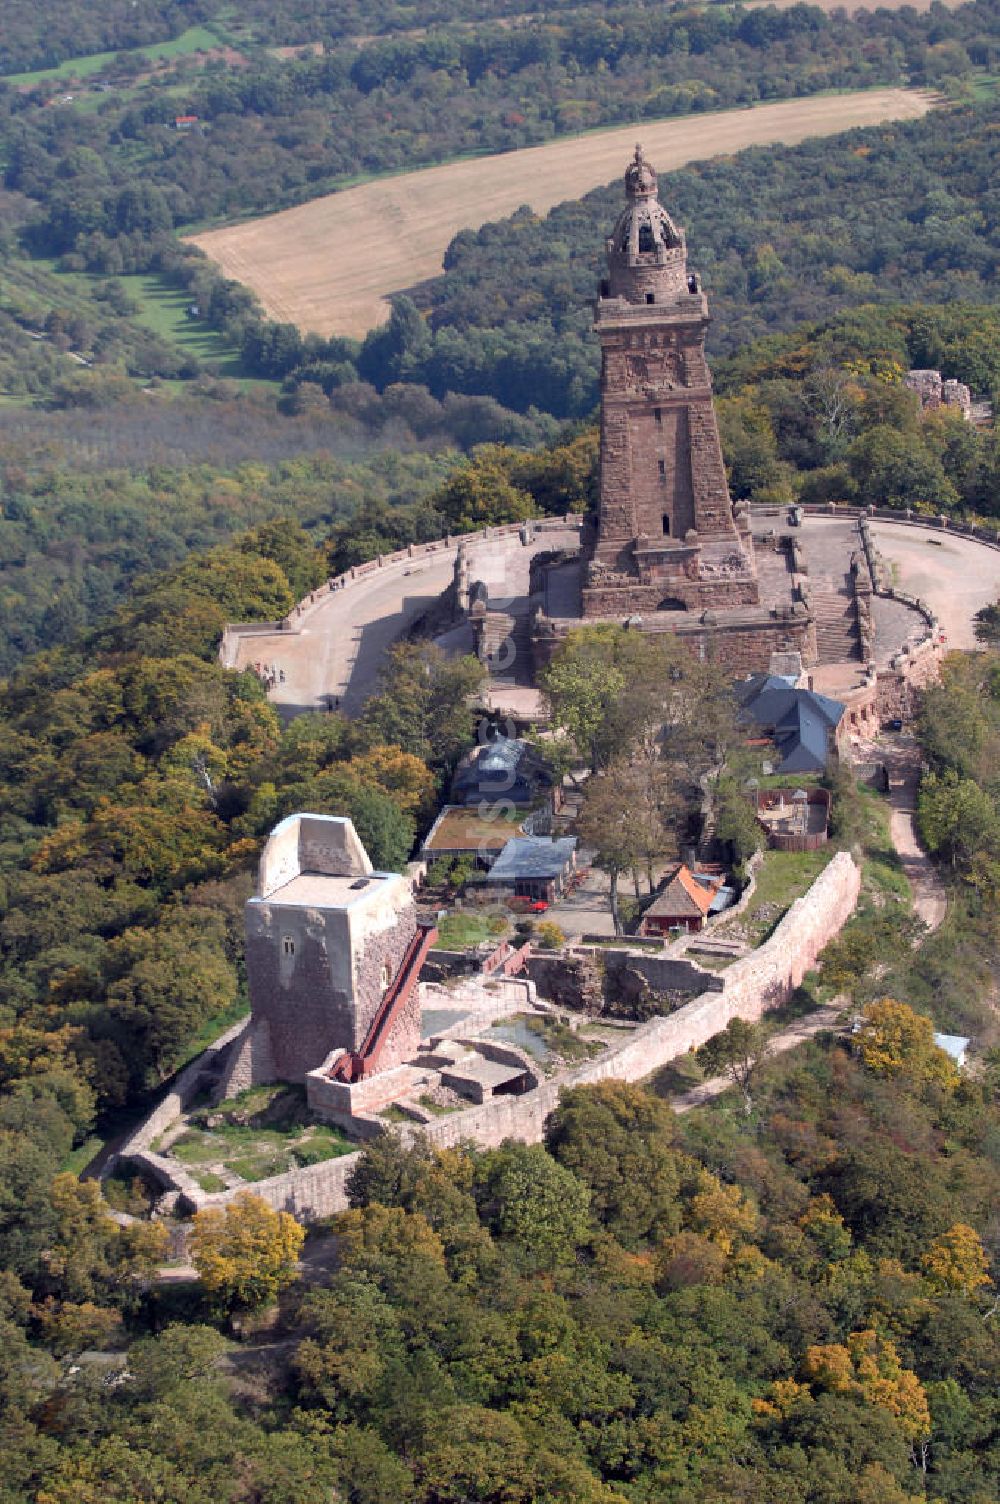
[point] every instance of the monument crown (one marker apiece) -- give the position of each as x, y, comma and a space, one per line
646, 250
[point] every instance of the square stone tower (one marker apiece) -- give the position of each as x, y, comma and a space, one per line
667, 535
329, 943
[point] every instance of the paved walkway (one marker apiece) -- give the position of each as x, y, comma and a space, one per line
955, 576
344, 637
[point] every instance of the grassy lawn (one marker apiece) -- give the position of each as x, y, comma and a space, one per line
783, 877
262, 1132
164, 309
195, 39
439, 1109
883, 871
984, 86
464, 930
214, 1026
79, 1159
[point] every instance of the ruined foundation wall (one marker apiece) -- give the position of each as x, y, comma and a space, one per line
760, 981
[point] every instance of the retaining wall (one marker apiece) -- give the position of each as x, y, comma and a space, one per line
200, 1074
752, 985
294, 621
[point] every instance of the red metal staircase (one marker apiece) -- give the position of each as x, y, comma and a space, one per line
355, 1065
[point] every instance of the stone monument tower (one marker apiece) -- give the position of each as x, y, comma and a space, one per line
667, 536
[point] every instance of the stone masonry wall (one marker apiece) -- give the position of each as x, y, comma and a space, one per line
759, 981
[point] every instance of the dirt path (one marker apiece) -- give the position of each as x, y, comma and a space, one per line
329, 265
930, 899
796, 1034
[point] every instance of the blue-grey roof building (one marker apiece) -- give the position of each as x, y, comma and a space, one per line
801, 724
505, 767
535, 866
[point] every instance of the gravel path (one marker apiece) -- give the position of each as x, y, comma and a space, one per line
930, 898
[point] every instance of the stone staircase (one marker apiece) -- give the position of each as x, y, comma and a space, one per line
510, 656
837, 637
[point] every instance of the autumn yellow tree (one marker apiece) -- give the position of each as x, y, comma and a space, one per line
244, 1252
956, 1261
894, 1040
722, 1213
869, 1368
90, 1255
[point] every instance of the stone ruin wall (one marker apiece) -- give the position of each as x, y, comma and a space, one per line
586, 978
744, 649
759, 981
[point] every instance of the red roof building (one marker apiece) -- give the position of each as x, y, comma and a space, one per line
682, 903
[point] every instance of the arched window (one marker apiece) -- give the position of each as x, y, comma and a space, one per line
288, 945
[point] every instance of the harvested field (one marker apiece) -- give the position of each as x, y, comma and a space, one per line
329, 265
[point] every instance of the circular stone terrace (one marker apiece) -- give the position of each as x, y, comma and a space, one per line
328, 651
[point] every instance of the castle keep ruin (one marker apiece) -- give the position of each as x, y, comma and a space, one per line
334, 951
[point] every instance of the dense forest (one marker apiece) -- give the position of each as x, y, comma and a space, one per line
780, 235
786, 1296
98, 179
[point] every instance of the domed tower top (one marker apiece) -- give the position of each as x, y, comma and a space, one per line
640, 179
647, 257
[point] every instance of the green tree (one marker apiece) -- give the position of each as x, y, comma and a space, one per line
525, 1196
481, 494
618, 1140
737, 1052
612, 826
893, 469
424, 703
957, 819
